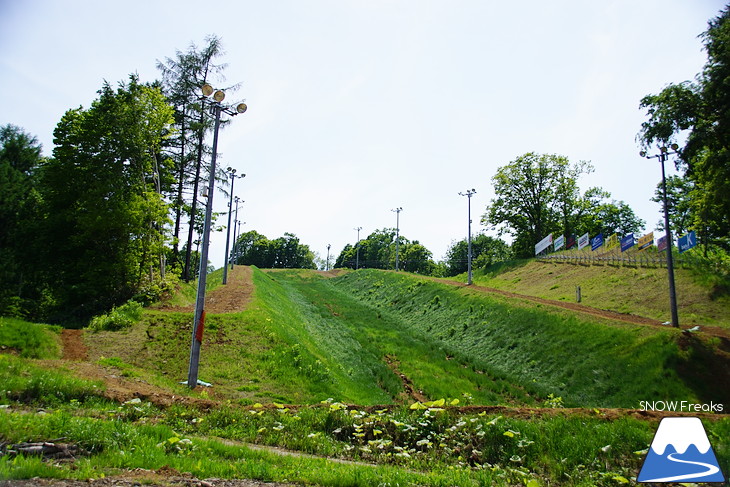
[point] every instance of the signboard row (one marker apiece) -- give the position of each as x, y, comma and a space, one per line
684, 243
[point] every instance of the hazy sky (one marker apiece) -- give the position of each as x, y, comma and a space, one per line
359, 107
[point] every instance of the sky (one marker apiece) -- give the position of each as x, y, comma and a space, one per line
356, 108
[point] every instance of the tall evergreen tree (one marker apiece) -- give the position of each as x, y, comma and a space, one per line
182, 78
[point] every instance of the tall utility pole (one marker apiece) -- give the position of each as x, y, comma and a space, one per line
662, 156
397, 233
232, 173
327, 264
235, 230
357, 249
199, 320
468, 194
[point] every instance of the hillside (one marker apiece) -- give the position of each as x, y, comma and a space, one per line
377, 337
640, 291
352, 378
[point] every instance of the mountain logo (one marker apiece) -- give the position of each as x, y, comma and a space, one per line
680, 452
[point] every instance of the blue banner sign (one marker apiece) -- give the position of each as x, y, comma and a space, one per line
597, 241
688, 241
627, 242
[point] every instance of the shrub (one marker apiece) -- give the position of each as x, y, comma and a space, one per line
118, 318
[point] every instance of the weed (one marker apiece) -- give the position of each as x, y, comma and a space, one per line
118, 318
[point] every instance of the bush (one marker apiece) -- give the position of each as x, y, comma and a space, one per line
118, 318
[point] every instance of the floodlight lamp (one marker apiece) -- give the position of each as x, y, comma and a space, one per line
219, 96
207, 89
642, 153
241, 107
663, 149
675, 147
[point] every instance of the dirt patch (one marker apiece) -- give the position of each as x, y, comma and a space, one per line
411, 392
231, 298
74, 347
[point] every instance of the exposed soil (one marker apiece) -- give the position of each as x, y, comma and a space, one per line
411, 391
231, 298
73, 345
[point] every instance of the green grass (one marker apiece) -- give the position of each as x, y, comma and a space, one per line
187, 291
433, 446
27, 383
703, 299
586, 363
31, 340
305, 338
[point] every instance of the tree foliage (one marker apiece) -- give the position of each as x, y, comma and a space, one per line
700, 110
253, 248
182, 78
378, 251
485, 251
538, 194
102, 202
20, 157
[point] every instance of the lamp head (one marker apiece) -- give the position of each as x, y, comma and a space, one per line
206, 89
642, 153
219, 96
241, 107
675, 147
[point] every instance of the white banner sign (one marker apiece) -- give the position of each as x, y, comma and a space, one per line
543, 244
559, 242
583, 241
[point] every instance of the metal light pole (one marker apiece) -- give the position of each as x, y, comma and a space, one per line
199, 320
397, 233
357, 249
468, 194
232, 173
235, 230
662, 156
327, 264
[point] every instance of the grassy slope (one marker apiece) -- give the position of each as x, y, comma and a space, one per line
637, 290
305, 338
31, 340
585, 362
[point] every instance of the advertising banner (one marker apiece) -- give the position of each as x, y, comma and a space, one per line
646, 241
543, 244
571, 242
583, 241
559, 242
612, 241
688, 241
627, 242
597, 241
661, 244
